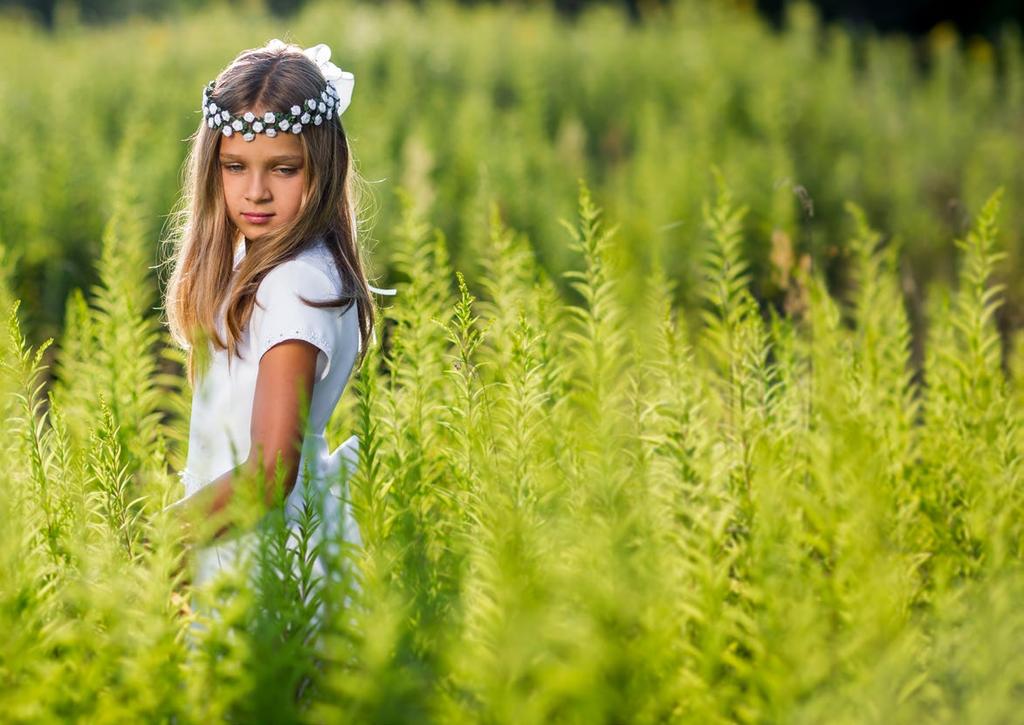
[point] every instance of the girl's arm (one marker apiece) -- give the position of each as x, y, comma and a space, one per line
284, 387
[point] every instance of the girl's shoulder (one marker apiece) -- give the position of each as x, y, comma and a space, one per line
282, 310
311, 273
319, 256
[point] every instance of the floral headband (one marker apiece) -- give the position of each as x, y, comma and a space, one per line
334, 99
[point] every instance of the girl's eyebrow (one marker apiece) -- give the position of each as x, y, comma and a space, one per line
272, 159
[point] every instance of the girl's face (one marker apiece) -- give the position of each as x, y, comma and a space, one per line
263, 181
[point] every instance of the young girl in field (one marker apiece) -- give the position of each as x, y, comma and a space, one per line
268, 295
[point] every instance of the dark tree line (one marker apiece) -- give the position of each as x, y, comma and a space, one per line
913, 17
908, 16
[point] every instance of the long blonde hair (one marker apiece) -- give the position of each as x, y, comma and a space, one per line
204, 239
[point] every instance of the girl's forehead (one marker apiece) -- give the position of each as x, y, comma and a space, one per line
262, 146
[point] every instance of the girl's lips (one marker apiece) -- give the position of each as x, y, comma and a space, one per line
257, 218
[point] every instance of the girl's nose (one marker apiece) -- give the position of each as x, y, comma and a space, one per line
258, 189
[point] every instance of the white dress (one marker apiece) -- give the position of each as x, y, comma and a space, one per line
222, 401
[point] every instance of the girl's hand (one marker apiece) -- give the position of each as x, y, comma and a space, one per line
181, 604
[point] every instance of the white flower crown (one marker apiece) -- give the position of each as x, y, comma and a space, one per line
334, 99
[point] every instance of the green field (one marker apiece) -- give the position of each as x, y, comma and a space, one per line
698, 402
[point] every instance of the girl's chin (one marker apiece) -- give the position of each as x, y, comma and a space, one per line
252, 232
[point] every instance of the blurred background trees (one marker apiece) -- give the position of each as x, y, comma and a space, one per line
464, 104
907, 16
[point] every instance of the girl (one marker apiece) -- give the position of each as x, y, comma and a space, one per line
268, 295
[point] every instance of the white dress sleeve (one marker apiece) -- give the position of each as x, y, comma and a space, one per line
279, 314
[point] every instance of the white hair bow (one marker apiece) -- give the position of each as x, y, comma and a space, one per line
341, 80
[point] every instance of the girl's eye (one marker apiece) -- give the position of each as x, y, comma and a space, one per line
286, 170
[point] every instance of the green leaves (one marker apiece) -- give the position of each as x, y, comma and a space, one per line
592, 509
